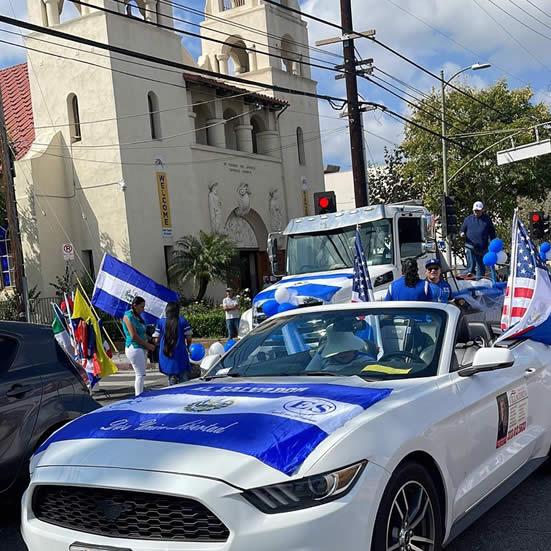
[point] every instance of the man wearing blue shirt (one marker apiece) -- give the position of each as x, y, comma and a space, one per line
441, 290
478, 230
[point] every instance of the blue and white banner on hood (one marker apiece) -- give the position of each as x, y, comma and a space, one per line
322, 287
278, 424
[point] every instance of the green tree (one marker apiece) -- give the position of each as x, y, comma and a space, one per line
203, 260
389, 183
499, 187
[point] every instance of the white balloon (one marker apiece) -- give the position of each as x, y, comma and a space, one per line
216, 348
293, 299
282, 295
502, 257
548, 255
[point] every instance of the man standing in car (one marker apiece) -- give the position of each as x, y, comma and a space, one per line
441, 290
477, 229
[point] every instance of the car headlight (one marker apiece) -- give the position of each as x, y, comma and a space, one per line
305, 492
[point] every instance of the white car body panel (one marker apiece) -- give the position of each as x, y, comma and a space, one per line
449, 419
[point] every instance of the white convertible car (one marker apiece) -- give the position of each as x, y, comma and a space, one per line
382, 426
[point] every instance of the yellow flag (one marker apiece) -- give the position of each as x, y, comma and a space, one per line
83, 311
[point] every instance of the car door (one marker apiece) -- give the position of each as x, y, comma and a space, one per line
496, 414
20, 395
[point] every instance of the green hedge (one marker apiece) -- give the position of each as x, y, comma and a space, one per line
207, 325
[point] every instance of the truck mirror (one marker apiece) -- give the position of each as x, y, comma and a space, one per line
427, 227
272, 252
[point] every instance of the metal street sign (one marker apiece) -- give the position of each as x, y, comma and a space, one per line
522, 152
68, 251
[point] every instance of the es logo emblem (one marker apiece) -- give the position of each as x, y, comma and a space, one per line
208, 405
315, 406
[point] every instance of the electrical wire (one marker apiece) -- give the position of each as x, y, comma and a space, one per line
539, 9
519, 20
529, 14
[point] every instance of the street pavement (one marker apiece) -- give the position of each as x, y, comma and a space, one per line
520, 522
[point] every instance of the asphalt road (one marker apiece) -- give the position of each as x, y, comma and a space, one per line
520, 522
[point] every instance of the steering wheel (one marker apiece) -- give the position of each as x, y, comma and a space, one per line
401, 354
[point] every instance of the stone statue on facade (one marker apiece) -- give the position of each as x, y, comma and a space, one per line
215, 208
243, 200
276, 214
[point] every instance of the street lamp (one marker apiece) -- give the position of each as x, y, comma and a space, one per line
444, 83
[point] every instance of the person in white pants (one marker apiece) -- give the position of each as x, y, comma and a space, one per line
136, 345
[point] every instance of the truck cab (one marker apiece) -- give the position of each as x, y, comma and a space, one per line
314, 255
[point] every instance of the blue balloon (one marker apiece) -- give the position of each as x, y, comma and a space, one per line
228, 345
490, 259
496, 245
545, 247
543, 256
270, 308
197, 352
285, 306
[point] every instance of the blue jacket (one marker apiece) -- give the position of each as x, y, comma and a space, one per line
179, 361
398, 290
478, 231
441, 292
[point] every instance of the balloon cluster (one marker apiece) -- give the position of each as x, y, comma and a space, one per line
284, 299
196, 352
495, 254
545, 251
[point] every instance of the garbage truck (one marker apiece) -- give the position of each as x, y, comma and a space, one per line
319, 253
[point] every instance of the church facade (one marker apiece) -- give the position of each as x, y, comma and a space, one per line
127, 156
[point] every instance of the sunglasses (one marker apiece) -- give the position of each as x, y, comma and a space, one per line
433, 269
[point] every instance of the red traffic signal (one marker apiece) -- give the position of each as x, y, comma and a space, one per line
325, 202
535, 217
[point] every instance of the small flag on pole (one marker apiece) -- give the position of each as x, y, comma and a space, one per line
362, 290
60, 331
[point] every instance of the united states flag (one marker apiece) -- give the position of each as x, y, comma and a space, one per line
362, 291
527, 304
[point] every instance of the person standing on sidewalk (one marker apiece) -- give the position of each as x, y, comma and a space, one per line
477, 229
231, 307
174, 333
136, 343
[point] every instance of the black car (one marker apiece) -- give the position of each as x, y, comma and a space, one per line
41, 389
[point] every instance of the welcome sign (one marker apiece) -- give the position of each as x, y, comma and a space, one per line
278, 424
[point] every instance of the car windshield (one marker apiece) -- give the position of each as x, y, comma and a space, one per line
385, 343
333, 250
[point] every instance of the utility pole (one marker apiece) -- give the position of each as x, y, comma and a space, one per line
13, 222
357, 151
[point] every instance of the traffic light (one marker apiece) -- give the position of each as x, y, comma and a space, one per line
449, 216
325, 202
539, 225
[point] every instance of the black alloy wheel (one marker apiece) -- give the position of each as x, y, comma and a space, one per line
410, 514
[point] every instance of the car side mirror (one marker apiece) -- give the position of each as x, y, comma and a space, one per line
209, 362
488, 359
272, 252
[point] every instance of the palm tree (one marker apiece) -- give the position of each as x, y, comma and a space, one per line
204, 260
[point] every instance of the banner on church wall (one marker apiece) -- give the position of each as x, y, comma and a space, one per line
164, 204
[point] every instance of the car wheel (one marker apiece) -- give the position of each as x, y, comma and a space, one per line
410, 515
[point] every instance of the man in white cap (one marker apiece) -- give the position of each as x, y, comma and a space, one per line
478, 230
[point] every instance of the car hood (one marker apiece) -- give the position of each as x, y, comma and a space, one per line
255, 461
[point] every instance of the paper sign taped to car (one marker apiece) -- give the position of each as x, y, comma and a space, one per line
512, 410
278, 424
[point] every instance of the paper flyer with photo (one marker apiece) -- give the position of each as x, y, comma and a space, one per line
512, 410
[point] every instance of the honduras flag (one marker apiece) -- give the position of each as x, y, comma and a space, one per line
118, 283
527, 304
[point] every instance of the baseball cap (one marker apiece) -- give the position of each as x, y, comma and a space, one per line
432, 261
478, 205
228, 289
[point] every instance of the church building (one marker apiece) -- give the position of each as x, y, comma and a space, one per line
125, 156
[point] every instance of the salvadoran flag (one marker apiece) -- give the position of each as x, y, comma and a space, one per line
527, 303
118, 283
279, 424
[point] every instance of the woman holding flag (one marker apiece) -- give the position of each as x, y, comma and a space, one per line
136, 341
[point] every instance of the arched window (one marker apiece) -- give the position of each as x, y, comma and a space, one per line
154, 116
229, 128
203, 134
300, 147
257, 122
74, 118
289, 54
238, 56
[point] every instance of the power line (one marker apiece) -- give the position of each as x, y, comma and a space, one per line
529, 14
196, 35
403, 83
519, 20
395, 52
538, 8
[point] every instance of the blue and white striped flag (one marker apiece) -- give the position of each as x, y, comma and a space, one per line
362, 290
118, 283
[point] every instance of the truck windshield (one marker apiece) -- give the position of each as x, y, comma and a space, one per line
334, 249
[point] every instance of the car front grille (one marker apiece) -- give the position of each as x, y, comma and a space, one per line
127, 514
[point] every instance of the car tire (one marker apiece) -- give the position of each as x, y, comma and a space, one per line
410, 512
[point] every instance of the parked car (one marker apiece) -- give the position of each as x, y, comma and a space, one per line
382, 426
41, 389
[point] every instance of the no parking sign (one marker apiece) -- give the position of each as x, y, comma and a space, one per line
68, 251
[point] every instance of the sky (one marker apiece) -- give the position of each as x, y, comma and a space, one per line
512, 35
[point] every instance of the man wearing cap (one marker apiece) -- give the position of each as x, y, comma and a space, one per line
478, 230
441, 290
231, 306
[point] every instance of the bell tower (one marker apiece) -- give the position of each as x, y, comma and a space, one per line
268, 44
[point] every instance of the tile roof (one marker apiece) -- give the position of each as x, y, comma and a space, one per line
16, 97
